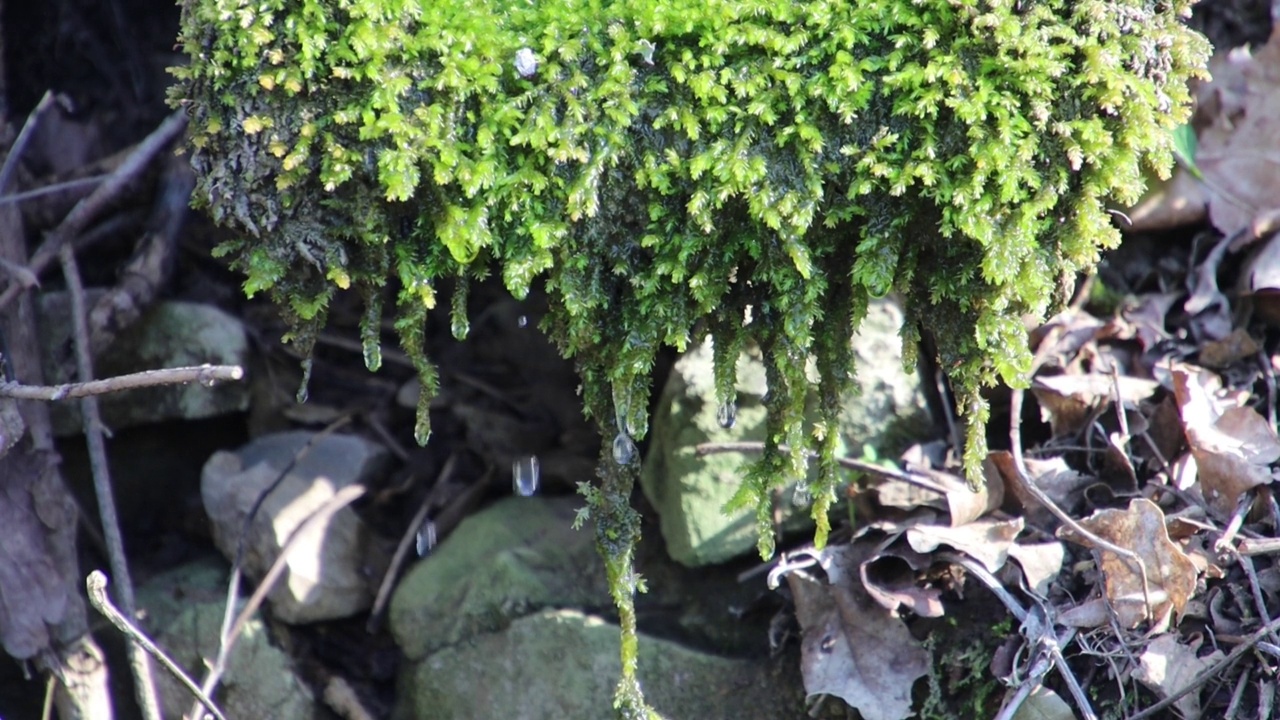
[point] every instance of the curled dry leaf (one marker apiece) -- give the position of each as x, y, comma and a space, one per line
987, 541
1170, 574
856, 650
1232, 445
890, 578
1263, 272
1169, 665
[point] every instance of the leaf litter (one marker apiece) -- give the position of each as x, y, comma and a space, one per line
1133, 534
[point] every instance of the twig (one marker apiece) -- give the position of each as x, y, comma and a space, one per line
319, 518
145, 688
96, 584
206, 375
1237, 696
402, 550
87, 209
1243, 505
1260, 604
1268, 375
78, 184
922, 481
24, 137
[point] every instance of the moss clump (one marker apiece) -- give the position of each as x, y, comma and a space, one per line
675, 168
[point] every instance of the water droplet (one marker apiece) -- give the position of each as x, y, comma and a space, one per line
801, 497
524, 475
526, 62
727, 415
426, 537
624, 449
460, 326
522, 321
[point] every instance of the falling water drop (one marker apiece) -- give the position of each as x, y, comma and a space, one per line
727, 415
801, 497
460, 326
522, 321
426, 537
524, 475
624, 449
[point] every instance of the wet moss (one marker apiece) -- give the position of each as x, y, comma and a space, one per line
677, 168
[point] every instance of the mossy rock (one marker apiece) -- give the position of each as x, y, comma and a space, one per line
752, 169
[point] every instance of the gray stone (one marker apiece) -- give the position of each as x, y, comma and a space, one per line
690, 492
331, 571
564, 664
183, 611
170, 334
515, 557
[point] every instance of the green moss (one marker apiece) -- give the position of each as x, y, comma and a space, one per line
670, 167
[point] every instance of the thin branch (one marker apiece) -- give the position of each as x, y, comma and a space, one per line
206, 375
87, 209
91, 420
96, 584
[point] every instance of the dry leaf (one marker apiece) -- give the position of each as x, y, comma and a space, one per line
1170, 574
1168, 665
1236, 346
1044, 704
1088, 614
1069, 401
1238, 151
855, 650
1232, 445
1040, 563
1179, 201
1052, 476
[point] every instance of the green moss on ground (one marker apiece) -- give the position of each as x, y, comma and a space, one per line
672, 169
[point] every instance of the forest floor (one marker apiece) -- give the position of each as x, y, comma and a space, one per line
1152, 556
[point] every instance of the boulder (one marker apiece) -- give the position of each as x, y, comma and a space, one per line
332, 570
690, 492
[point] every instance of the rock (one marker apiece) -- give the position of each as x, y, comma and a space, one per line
183, 614
564, 664
170, 334
690, 492
513, 558
331, 571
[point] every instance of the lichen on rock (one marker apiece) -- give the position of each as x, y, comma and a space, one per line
745, 168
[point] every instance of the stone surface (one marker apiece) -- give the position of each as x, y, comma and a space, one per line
170, 334
564, 664
183, 611
515, 557
690, 492
332, 569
